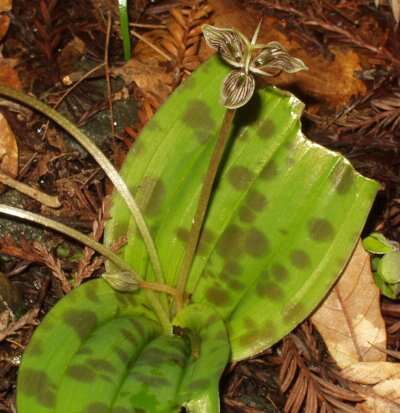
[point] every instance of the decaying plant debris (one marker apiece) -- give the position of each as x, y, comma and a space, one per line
53, 39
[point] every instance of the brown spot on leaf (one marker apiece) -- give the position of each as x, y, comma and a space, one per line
82, 321
321, 230
198, 117
234, 284
240, 177
256, 243
231, 242
217, 296
266, 129
37, 384
153, 205
294, 313
269, 171
269, 289
232, 267
91, 293
256, 201
182, 234
279, 272
248, 338
199, 384
300, 259
205, 239
97, 407
101, 365
81, 373
246, 214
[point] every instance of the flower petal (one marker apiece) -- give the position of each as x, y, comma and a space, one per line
274, 59
231, 44
238, 88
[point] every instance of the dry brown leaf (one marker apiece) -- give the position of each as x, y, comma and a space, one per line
333, 82
8, 150
70, 55
384, 395
8, 74
4, 24
353, 329
350, 320
149, 77
5, 5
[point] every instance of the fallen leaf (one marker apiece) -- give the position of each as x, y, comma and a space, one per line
4, 25
8, 74
10, 297
5, 5
149, 77
8, 150
350, 320
70, 55
333, 81
351, 324
371, 372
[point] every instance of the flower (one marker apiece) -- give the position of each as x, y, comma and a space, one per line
247, 58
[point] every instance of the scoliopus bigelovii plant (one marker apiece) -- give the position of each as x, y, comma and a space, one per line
234, 237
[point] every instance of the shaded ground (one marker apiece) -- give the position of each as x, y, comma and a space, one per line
352, 96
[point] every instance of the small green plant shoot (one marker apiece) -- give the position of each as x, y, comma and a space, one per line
237, 226
385, 263
124, 26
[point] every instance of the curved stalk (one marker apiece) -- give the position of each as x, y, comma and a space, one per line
101, 249
104, 162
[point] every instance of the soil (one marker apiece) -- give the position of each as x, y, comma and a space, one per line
352, 105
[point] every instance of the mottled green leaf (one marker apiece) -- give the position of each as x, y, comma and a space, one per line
98, 351
283, 221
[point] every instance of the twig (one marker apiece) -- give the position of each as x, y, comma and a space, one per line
154, 47
69, 90
45, 199
27, 318
54, 265
107, 73
148, 26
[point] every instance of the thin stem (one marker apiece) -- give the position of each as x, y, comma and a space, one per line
202, 205
162, 288
101, 249
124, 25
69, 90
103, 161
154, 47
107, 74
45, 199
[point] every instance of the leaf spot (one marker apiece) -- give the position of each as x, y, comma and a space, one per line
300, 259
240, 177
321, 230
217, 296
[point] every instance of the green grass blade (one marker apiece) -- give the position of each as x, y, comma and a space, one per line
124, 26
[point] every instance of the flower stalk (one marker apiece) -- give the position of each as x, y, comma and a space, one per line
248, 59
203, 204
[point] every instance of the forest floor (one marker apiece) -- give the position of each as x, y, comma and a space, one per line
63, 52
